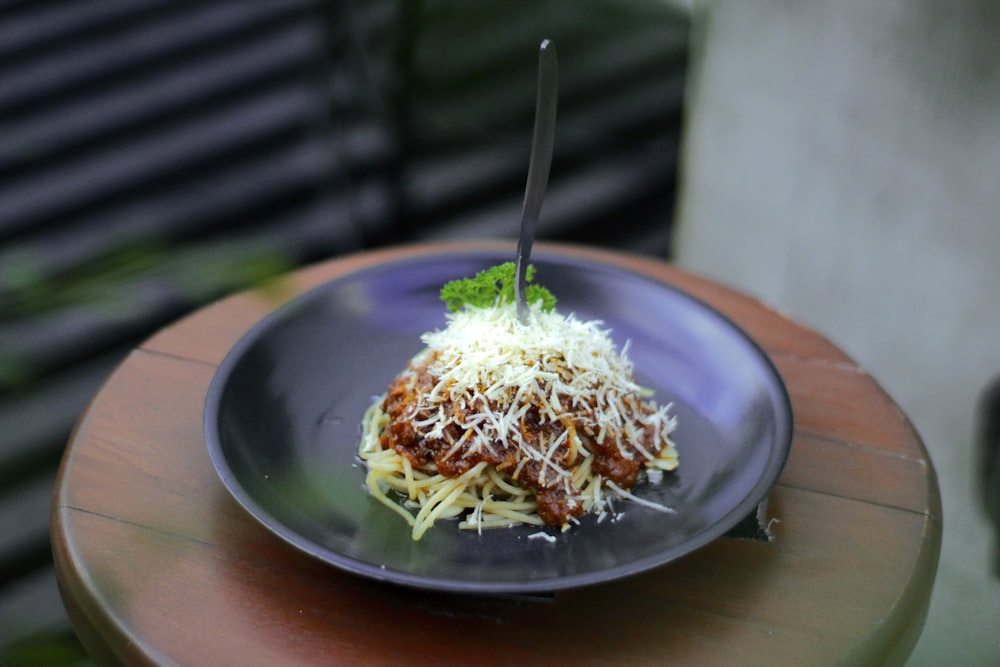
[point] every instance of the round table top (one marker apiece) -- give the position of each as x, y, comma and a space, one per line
158, 564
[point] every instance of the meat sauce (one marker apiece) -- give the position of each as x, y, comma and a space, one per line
556, 496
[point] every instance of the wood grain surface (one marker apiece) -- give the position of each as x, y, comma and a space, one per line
159, 565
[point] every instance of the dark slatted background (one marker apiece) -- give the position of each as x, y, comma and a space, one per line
157, 154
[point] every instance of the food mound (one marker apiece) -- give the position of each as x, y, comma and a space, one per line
507, 422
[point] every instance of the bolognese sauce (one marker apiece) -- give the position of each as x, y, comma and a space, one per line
551, 408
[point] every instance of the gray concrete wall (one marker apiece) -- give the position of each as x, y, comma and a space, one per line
842, 162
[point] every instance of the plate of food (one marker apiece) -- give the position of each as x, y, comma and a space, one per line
404, 423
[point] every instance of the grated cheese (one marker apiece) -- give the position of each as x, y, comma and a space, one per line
488, 355
487, 370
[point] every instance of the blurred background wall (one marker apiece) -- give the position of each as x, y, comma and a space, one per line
841, 161
156, 155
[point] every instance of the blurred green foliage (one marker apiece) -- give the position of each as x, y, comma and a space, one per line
127, 282
26, 290
45, 651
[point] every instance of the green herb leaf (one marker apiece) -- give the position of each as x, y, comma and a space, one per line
493, 287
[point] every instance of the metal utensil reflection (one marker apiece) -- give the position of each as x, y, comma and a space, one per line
542, 142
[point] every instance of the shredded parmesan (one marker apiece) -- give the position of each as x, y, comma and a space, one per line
487, 369
542, 536
488, 354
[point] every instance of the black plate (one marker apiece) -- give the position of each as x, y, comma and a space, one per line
283, 411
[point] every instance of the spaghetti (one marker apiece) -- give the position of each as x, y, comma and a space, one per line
502, 423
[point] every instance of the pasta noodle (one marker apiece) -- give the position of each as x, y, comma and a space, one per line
500, 423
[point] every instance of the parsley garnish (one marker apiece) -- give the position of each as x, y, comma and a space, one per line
493, 287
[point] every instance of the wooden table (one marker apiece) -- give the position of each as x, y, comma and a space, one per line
159, 565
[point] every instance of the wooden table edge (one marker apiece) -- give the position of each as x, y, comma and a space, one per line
88, 619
